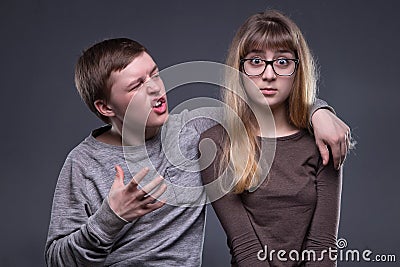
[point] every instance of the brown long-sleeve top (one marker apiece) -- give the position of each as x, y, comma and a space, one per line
296, 209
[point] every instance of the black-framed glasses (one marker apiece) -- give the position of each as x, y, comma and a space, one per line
281, 66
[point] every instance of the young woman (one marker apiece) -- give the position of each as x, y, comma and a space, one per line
285, 213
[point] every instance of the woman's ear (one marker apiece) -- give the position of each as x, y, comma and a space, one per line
103, 108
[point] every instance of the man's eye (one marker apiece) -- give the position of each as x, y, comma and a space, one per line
137, 86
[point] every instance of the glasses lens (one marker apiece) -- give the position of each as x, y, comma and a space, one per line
283, 66
254, 67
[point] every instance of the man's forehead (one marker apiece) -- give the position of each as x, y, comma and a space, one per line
140, 64
139, 67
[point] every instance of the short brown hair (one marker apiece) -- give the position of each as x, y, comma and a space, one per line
95, 65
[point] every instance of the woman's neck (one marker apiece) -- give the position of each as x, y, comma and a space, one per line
277, 118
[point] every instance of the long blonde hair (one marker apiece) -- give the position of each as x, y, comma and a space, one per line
272, 30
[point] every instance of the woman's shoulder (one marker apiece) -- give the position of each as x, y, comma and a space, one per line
300, 145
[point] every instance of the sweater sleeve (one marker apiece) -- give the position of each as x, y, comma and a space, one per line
318, 104
76, 237
322, 233
242, 240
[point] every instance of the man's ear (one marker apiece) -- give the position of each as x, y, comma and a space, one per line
103, 108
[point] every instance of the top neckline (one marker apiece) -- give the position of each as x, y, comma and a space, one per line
292, 136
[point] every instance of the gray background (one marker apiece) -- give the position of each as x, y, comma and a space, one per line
356, 44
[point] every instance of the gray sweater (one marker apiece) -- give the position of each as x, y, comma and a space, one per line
84, 231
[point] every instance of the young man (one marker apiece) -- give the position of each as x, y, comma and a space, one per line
100, 216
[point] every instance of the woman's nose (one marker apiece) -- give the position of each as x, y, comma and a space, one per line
269, 73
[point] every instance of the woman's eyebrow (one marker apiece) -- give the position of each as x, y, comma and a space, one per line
284, 51
279, 51
256, 51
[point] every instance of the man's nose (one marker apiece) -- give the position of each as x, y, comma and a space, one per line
152, 86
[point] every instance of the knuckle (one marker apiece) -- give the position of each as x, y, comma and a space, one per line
140, 213
335, 140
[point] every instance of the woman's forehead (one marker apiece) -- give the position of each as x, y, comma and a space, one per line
264, 41
260, 49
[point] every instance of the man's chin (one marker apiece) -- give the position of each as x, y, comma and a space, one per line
157, 121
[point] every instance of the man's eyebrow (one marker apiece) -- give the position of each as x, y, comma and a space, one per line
133, 83
155, 68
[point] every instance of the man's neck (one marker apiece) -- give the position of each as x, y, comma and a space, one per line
110, 137
131, 138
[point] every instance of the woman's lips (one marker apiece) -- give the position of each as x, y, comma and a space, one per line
268, 91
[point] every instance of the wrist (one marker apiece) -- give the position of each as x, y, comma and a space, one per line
116, 214
317, 113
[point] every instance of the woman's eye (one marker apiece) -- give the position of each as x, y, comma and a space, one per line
282, 61
256, 61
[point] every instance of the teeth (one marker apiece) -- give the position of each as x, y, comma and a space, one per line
158, 103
